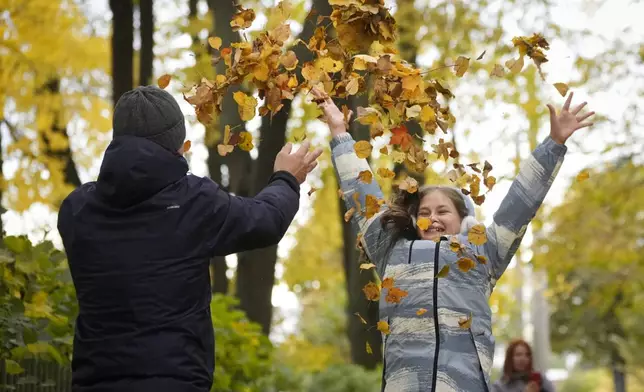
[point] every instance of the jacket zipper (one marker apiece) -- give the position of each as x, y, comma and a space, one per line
435, 306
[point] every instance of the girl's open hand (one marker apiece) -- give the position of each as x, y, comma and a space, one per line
563, 125
332, 114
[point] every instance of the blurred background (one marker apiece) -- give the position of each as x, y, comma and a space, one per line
284, 317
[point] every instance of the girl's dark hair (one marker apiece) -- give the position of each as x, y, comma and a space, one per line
398, 219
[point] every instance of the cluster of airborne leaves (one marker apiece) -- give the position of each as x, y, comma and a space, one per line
359, 57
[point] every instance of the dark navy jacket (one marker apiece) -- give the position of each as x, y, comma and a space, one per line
139, 240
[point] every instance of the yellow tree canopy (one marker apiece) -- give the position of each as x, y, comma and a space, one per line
52, 74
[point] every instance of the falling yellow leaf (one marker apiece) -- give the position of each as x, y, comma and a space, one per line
481, 259
421, 311
246, 105
365, 176
395, 295
367, 266
383, 327
497, 71
583, 176
477, 235
423, 223
186, 146
515, 66
362, 320
454, 245
368, 348
384, 150
386, 173
409, 184
224, 149
245, 141
465, 322
462, 64
371, 291
164, 81
443, 272
465, 264
427, 114
372, 206
214, 42
388, 283
413, 111
349, 214
363, 149
312, 190
562, 88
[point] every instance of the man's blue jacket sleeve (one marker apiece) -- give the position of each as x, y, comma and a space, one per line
242, 223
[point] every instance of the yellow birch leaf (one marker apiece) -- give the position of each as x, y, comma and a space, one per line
164, 81
367, 266
515, 66
214, 42
365, 176
462, 64
363, 149
443, 272
368, 348
465, 264
383, 327
465, 323
421, 311
385, 173
427, 114
583, 176
423, 223
477, 235
562, 88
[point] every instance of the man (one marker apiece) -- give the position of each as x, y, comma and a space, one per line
139, 241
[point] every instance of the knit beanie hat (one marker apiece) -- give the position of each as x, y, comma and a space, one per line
151, 113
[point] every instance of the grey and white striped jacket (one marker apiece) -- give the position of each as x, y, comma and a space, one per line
432, 351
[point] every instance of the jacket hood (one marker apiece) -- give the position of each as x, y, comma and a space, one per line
134, 169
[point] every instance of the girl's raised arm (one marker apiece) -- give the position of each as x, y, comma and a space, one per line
363, 199
531, 186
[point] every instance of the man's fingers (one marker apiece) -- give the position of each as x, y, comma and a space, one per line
311, 166
287, 148
584, 125
304, 148
553, 113
585, 116
578, 108
568, 101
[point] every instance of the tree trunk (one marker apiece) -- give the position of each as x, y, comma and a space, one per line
408, 48
356, 279
147, 42
256, 269
238, 162
122, 49
57, 127
619, 376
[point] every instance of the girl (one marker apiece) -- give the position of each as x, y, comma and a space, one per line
518, 375
440, 336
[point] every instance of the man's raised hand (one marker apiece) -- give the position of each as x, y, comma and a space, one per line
300, 163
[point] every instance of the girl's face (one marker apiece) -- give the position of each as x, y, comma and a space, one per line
442, 215
521, 359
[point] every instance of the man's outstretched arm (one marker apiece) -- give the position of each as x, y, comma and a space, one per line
249, 223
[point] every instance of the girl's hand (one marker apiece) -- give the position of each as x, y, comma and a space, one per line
562, 126
332, 114
532, 387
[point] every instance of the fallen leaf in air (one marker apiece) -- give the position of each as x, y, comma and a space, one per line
349, 214
371, 291
214, 42
423, 223
395, 295
386, 173
312, 190
443, 272
383, 327
465, 323
462, 64
362, 149
367, 266
583, 176
186, 146
421, 311
368, 348
362, 320
477, 235
562, 88
465, 264
164, 81
481, 259
365, 176
388, 283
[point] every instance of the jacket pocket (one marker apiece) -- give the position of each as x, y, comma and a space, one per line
484, 343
